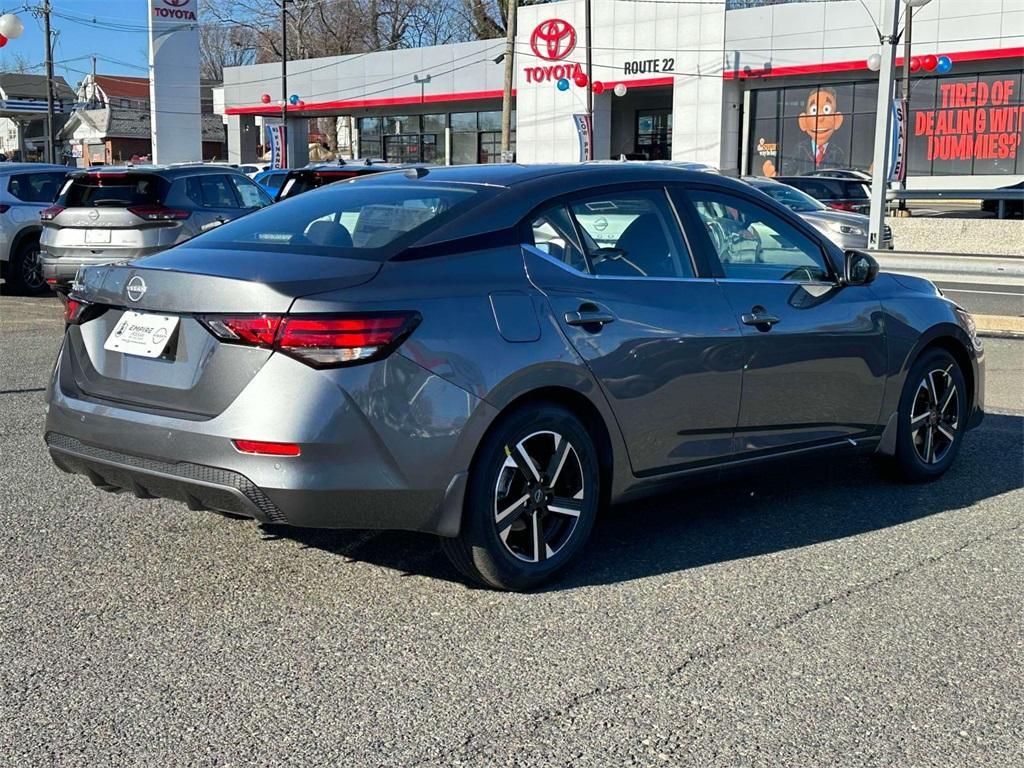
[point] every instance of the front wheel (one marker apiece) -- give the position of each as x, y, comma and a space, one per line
531, 500
932, 418
26, 271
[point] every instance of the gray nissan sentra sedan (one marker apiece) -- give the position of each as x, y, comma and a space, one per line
495, 353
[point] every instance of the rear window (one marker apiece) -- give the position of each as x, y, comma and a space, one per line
117, 190
303, 181
857, 190
351, 220
36, 187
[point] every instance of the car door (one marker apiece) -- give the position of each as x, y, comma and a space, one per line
815, 354
251, 196
660, 339
215, 199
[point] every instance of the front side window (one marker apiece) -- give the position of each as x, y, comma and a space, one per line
753, 243
632, 234
250, 194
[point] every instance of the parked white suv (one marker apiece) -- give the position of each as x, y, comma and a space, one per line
25, 190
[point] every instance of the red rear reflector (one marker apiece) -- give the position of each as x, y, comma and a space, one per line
158, 213
49, 214
839, 206
267, 449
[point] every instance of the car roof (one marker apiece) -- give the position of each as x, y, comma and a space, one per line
762, 181
167, 171
22, 167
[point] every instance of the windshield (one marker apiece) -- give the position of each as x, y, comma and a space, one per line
351, 220
792, 198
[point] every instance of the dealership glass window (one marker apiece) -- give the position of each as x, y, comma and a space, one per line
464, 121
395, 125
370, 148
464, 148
489, 121
369, 126
654, 134
434, 123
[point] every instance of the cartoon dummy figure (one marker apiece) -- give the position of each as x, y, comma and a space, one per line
820, 119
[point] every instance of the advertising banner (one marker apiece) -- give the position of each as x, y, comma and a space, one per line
275, 142
583, 132
898, 139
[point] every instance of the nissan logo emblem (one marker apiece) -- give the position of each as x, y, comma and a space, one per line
136, 288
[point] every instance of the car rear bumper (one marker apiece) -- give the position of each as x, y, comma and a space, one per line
375, 467
59, 271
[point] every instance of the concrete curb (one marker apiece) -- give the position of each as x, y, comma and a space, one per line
1000, 326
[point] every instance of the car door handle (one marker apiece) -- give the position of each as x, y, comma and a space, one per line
759, 318
589, 317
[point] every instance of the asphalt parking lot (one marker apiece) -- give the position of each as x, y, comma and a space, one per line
816, 616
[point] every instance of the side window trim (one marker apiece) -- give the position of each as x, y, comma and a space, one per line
709, 248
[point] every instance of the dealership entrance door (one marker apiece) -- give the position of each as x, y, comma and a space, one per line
641, 123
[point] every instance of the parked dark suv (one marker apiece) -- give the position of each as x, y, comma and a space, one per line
841, 194
316, 175
121, 213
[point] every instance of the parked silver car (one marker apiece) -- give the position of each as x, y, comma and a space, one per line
123, 213
847, 230
25, 190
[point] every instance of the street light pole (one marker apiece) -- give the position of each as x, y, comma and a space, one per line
883, 122
49, 83
284, 83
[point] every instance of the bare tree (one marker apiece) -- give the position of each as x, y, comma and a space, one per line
224, 46
17, 63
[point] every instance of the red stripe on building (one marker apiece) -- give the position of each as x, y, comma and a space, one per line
432, 98
862, 65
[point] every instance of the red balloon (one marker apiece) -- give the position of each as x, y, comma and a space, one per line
929, 62
302, 103
581, 80
3, 41
597, 87
915, 63
265, 98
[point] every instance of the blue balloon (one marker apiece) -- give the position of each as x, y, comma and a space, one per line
293, 99
944, 65
563, 84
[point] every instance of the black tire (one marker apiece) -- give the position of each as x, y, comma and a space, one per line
509, 560
922, 419
24, 273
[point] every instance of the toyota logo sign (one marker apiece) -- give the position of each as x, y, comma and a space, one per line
553, 39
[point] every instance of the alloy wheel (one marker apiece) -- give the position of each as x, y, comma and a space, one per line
935, 416
538, 496
32, 270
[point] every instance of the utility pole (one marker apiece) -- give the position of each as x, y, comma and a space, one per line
284, 83
590, 83
908, 20
49, 83
510, 73
883, 122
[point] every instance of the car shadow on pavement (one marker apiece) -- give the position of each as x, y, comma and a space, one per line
781, 506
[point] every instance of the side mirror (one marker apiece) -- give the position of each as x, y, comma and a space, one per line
859, 268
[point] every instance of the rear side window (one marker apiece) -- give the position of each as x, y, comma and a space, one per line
632, 234
822, 189
857, 190
553, 233
117, 190
353, 221
210, 191
36, 187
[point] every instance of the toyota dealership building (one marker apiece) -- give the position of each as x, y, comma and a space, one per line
746, 85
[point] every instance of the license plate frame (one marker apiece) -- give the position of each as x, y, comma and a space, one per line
142, 334
97, 237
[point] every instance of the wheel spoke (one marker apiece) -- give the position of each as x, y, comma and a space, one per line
558, 458
523, 462
950, 397
948, 433
511, 513
540, 547
929, 444
915, 420
933, 396
564, 506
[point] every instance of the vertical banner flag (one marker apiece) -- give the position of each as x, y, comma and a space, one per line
275, 141
898, 141
583, 132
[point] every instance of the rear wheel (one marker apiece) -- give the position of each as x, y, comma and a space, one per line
531, 501
25, 271
932, 418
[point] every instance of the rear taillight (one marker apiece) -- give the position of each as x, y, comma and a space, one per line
319, 341
4, 207
49, 214
842, 206
77, 311
158, 213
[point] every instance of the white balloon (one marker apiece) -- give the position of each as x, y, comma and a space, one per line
11, 26
875, 62
620, 89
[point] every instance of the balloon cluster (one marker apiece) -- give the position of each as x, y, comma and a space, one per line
597, 87
294, 100
10, 28
940, 65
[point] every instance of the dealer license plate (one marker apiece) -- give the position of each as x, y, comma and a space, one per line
138, 333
